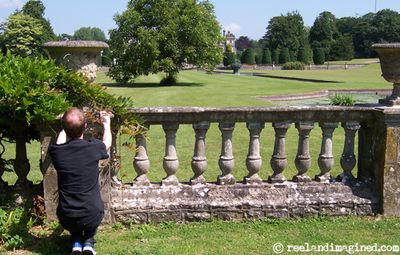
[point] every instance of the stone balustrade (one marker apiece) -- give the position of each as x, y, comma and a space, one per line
255, 118
373, 191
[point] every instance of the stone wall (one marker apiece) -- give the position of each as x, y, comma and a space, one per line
181, 203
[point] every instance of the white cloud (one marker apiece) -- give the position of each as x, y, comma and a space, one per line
10, 4
232, 27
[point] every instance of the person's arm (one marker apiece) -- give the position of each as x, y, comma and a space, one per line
106, 121
62, 137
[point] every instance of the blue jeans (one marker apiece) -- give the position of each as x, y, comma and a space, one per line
80, 230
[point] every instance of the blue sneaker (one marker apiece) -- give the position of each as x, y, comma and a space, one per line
76, 248
88, 249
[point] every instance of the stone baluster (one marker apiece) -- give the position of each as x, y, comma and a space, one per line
226, 160
303, 160
348, 159
199, 160
141, 161
279, 160
253, 160
325, 159
170, 163
114, 159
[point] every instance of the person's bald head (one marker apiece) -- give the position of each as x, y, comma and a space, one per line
74, 122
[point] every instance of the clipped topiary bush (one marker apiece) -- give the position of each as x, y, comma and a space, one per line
275, 56
266, 57
319, 56
248, 57
296, 65
284, 56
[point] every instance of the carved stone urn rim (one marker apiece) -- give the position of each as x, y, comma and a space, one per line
76, 44
395, 45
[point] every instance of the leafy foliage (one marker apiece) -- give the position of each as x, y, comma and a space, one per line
275, 56
284, 56
296, 65
160, 36
319, 56
286, 31
22, 35
342, 49
248, 57
229, 58
342, 100
324, 32
34, 91
13, 225
266, 57
243, 43
303, 56
89, 34
35, 9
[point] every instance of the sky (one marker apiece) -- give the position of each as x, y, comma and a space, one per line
242, 17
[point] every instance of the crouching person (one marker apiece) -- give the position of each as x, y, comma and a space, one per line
80, 209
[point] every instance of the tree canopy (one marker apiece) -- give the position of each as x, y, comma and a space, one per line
22, 35
35, 9
161, 36
89, 34
242, 43
286, 31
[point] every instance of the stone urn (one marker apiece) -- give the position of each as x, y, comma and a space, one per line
389, 55
236, 68
80, 56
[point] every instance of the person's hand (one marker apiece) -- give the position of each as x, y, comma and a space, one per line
105, 118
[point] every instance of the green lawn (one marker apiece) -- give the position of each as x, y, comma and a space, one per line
218, 237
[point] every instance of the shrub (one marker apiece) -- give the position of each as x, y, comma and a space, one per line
296, 65
229, 58
319, 56
303, 56
258, 59
342, 100
266, 57
275, 56
248, 57
228, 48
169, 80
284, 56
14, 226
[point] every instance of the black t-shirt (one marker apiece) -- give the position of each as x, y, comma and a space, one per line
77, 165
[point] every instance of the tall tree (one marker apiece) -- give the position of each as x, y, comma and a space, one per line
242, 43
160, 36
286, 31
324, 32
35, 9
387, 26
89, 34
342, 49
22, 35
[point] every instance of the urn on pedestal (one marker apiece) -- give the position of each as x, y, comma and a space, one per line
389, 55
